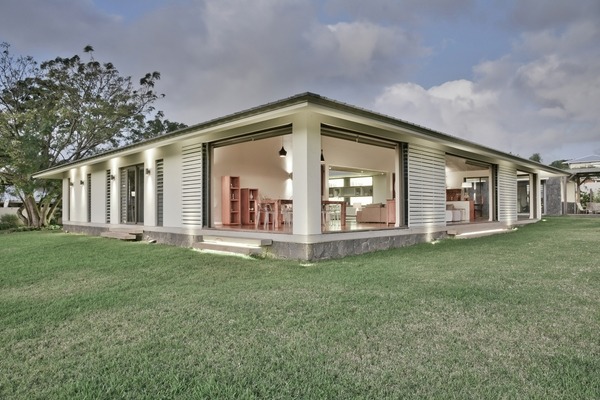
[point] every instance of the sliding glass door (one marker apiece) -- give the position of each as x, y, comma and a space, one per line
132, 194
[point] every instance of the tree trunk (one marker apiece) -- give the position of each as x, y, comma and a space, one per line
38, 215
22, 217
49, 210
33, 212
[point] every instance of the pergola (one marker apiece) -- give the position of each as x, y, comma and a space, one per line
581, 176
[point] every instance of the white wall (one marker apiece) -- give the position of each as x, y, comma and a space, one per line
381, 188
172, 187
8, 210
78, 194
346, 153
455, 179
171, 156
98, 195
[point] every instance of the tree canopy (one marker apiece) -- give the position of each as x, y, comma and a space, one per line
561, 164
63, 110
536, 157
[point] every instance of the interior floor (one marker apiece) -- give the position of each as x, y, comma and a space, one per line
351, 225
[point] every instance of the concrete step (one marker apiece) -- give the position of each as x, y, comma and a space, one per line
122, 235
474, 232
133, 230
240, 241
243, 246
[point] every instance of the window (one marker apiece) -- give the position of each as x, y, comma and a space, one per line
362, 181
336, 183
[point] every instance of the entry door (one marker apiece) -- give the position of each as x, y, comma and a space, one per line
132, 194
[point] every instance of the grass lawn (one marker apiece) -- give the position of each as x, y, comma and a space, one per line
507, 316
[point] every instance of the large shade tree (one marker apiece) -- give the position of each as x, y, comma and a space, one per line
61, 111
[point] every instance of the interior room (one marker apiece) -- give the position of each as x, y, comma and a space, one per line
357, 181
469, 193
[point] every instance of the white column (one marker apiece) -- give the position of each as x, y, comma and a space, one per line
149, 188
306, 140
66, 199
399, 190
538, 196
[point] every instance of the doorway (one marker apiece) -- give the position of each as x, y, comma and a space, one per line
469, 190
132, 194
478, 192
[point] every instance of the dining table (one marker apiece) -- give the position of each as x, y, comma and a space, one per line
276, 205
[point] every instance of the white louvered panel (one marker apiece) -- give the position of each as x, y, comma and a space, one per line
159, 192
191, 185
507, 194
107, 201
426, 186
123, 195
89, 197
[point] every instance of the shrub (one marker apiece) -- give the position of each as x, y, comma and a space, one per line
10, 221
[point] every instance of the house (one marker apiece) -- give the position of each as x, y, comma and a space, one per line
306, 178
9, 204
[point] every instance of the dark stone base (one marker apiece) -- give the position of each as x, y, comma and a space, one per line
287, 250
175, 239
84, 229
349, 247
554, 205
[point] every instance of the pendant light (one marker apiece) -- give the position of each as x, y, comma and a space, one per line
322, 158
282, 152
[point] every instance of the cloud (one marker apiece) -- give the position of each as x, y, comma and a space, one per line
218, 57
224, 56
49, 27
361, 50
404, 12
536, 15
459, 108
542, 97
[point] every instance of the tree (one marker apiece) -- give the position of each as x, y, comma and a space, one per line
157, 126
559, 164
61, 111
536, 157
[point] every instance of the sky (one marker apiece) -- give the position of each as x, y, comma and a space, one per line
520, 76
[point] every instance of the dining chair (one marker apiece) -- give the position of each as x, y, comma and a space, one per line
331, 214
288, 214
265, 210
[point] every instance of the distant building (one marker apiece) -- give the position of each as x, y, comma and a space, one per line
585, 178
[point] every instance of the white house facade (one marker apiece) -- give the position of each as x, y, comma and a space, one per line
307, 177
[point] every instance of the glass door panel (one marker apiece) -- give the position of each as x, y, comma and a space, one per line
132, 194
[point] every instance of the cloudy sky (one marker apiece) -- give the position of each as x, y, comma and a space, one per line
522, 76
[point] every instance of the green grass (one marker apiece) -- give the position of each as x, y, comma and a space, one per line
502, 317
